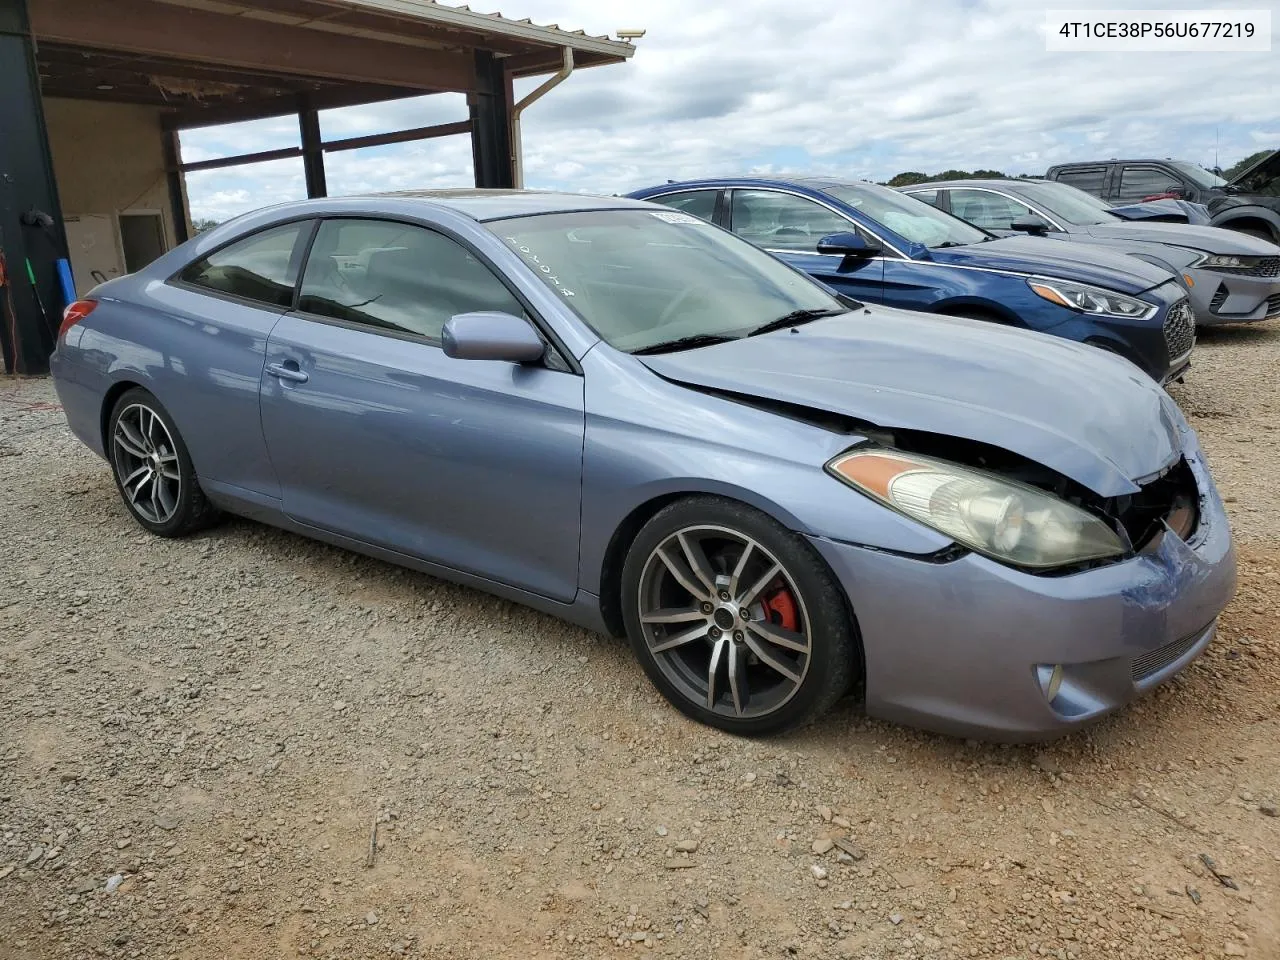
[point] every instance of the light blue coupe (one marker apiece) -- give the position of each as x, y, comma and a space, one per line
623, 415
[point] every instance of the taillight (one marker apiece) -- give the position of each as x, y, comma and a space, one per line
74, 313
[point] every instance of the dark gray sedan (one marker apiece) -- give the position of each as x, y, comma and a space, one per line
1231, 277
625, 416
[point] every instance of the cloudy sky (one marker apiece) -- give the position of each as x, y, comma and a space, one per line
859, 88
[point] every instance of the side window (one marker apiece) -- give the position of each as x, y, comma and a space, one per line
698, 203
397, 276
780, 221
991, 211
256, 268
1089, 179
928, 196
1136, 183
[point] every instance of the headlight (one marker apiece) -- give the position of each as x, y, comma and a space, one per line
1003, 519
1223, 261
1083, 297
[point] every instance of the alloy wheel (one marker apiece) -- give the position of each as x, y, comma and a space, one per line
724, 621
147, 463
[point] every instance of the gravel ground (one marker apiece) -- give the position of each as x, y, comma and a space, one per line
198, 737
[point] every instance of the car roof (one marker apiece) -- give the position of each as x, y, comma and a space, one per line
1098, 163
804, 183
477, 204
942, 184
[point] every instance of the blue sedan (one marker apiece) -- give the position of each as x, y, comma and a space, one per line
624, 416
896, 250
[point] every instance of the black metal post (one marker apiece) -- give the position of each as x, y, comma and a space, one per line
26, 184
312, 149
177, 185
491, 124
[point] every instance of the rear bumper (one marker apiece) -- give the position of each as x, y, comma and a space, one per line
81, 402
965, 647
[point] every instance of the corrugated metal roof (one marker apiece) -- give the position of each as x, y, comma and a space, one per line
464, 18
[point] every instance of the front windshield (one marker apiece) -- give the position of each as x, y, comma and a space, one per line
906, 216
1064, 202
1197, 174
642, 278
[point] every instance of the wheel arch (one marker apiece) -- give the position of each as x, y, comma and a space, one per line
1250, 218
977, 309
109, 400
626, 531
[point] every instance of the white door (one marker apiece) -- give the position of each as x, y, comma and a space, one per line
91, 241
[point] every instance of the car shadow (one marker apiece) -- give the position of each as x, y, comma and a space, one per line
1238, 333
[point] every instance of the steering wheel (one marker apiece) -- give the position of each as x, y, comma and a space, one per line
688, 293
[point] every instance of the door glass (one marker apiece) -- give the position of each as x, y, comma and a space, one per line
699, 203
1088, 179
255, 268
396, 276
1139, 182
928, 196
991, 211
780, 221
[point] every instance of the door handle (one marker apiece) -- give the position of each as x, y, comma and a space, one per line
287, 371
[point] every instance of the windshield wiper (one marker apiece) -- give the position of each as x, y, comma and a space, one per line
947, 243
795, 317
684, 343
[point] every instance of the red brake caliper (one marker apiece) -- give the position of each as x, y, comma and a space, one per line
780, 608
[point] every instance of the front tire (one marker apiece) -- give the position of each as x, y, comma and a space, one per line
735, 619
153, 469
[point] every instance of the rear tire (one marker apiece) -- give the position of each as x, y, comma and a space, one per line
153, 469
735, 619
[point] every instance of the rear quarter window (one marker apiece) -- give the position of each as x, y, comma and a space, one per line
698, 203
261, 267
1089, 179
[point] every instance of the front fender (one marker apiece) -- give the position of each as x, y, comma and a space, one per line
1249, 212
648, 439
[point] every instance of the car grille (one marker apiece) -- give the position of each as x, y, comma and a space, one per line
1273, 306
1266, 267
1219, 298
1179, 330
1152, 662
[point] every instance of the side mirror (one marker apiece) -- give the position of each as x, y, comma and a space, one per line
849, 245
1030, 224
489, 335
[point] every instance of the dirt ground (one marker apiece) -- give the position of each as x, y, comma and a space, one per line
196, 739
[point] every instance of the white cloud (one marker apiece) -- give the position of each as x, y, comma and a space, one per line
860, 89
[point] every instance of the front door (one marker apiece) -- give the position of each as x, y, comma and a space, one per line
378, 436
789, 227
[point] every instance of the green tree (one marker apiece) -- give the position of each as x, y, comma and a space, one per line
910, 178
203, 224
1246, 162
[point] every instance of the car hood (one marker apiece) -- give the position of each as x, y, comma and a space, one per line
1208, 239
1085, 413
1183, 210
1063, 259
1267, 168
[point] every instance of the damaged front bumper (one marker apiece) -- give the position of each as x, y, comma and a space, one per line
973, 648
